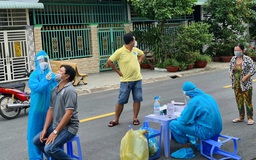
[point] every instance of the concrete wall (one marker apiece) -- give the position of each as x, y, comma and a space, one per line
38, 38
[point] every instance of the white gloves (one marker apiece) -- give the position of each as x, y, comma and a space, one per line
48, 76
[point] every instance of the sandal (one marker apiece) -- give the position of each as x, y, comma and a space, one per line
136, 122
112, 124
236, 120
250, 122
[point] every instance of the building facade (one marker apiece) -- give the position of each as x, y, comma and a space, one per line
86, 32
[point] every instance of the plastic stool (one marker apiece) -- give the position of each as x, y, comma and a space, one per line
154, 135
70, 148
213, 146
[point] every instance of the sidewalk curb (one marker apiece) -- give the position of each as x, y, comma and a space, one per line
172, 75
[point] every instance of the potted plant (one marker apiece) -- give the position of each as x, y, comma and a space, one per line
186, 58
202, 60
144, 64
252, 33
188, 46
171, 65
225, 51
251, 53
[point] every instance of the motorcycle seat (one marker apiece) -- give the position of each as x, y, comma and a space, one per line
19, 85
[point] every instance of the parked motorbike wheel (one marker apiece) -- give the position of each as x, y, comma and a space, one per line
8, 113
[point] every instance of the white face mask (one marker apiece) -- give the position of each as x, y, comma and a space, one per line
58, 77
135, 44
43, 65
238, 53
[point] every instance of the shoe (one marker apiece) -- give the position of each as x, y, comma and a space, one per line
112, 124
198, 146
136, 122
192, 139
236, 120
183, 153
250, 122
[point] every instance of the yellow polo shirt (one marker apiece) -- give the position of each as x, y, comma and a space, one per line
128, 63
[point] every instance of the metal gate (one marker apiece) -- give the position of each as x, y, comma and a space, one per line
65, 42
110, 39
14, 59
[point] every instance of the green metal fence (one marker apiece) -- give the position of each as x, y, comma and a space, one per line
110, 39
65, 42
79, 12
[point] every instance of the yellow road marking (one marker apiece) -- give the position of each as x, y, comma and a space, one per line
97, 117
229, 86
112, 113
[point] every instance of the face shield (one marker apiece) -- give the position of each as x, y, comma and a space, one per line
43, 62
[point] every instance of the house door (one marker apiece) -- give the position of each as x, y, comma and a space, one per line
110, 39
14, 59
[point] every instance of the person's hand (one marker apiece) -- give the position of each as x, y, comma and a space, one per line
42, 138
51, 138
120, 74
48, 76
244, 79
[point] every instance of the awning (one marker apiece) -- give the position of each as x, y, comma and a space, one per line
20, 5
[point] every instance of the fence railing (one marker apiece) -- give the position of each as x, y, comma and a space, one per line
65, 42
80, 13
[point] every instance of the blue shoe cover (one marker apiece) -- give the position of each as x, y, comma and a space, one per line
198, 146
192, 139
183, 153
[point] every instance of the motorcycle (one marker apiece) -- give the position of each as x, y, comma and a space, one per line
13, 99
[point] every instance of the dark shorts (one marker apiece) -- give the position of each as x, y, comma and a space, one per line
126, 88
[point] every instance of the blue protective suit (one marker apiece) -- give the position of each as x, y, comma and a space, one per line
39, 102
200, 118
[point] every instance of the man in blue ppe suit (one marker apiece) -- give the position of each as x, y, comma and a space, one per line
200, 119
41, 82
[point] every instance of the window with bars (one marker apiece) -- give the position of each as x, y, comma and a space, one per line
12, 18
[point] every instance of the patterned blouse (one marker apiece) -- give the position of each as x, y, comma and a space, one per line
247, 67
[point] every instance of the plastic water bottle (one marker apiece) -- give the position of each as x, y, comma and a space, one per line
157, 106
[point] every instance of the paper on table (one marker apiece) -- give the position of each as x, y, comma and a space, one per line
163, 107
177, 103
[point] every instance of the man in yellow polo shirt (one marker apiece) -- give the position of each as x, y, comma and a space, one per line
128, 58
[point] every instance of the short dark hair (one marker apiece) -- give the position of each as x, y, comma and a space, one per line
128, 38
70, 71
241, 46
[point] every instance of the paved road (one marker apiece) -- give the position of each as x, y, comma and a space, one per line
100, 142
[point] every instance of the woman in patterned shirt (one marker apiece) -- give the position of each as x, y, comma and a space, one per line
241, 71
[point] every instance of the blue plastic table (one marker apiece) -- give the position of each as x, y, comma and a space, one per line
164, 121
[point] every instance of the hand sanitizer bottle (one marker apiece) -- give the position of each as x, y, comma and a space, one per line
157, 106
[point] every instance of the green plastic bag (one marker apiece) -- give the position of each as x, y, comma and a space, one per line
153, 143
134, 146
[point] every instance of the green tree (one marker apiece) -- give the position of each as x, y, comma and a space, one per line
161, 10
190, 41
228, 21
194, 37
